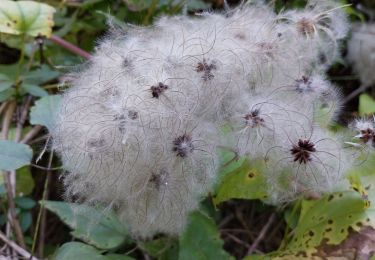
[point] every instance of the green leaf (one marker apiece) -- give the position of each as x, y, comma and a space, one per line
26, 219
242, 181
10, 71
162, 248
34, 90
201, 240
40, 75
14, 155
100, 229
44, 111
25, 202
24, 181
26, 17
5, 82
77, 250
366, 105
4, 95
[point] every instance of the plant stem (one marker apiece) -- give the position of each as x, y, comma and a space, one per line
261, 234
41, 214
21, 60
72, 48
31, 134
150, 12
17, 248
22, 119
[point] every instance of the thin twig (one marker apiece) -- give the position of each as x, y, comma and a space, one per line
237, 240
261, 234
41, 219
16, 247
72, 48
355, 93
22, 118
3, 106
12, 210
45, 168
7, 120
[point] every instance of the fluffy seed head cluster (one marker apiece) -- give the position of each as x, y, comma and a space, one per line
139, 129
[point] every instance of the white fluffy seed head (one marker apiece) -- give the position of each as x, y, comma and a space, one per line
261, 120
309, 161
138, 130
318, 28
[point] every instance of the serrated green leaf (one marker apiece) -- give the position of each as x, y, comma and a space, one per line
366, 105
44, 111
201, 240
26, 17
14, 155
100, 229
244, 181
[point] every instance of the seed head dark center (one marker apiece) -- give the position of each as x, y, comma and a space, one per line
367, 135
302, 151
253, 119
183, 145
158, 89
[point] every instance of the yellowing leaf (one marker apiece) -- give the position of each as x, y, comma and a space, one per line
26, 17
327, 223
357, 185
